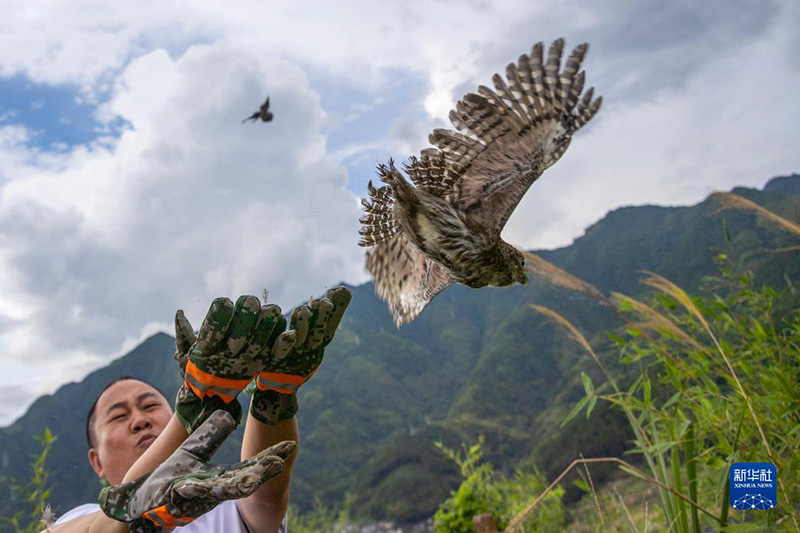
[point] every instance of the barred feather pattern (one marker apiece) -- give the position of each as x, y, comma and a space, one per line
431, 173
426, 218
405, 278
432, 243
377, 223
444, 226
510, 134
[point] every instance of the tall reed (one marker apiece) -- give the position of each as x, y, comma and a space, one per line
719, 385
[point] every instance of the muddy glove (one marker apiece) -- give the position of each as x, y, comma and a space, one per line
186, 486
314, 325
229, 350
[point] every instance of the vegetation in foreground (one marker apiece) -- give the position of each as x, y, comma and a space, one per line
34, 512
717, 384
711, 381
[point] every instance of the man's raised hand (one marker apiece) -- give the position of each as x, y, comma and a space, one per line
232, 346
186, 486
314, 325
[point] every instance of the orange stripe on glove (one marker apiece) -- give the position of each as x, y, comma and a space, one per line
161, 517
204, 384
283, 383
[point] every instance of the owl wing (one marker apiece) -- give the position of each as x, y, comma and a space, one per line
508, 136
404, 277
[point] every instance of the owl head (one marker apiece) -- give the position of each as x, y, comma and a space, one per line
519, 274
513, 269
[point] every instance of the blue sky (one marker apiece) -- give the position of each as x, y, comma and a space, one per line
54, 114
129, 188
362, 124
58, 118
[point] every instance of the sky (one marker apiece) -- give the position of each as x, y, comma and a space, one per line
130, 188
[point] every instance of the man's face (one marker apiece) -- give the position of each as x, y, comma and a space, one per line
128, 417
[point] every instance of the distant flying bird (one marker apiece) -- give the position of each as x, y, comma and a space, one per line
446, 227
263, 113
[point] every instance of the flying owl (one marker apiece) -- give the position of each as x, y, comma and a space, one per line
445, 228
263, 113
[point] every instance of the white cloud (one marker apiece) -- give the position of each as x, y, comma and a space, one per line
84, 41
100, 243
732, 122
188, 204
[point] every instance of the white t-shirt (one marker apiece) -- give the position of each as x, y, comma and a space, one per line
223, 518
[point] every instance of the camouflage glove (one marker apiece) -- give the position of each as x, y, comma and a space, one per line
314, 325
231, 347
186, 486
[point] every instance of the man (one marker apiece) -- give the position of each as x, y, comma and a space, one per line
133, 434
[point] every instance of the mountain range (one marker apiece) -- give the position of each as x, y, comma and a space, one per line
476, 362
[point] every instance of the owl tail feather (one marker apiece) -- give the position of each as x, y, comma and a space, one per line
431, 173
377, 223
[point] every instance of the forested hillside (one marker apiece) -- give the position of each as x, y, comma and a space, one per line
476, 362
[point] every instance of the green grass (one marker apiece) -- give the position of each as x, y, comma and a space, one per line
32, 496
717, 383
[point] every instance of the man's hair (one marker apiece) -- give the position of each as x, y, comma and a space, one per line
90, 437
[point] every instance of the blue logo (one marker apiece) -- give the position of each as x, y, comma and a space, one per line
754, 486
